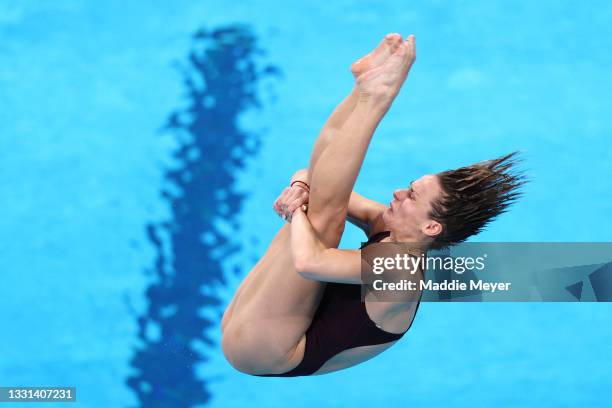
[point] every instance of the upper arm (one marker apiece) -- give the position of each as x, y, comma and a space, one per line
333, 265
362, 211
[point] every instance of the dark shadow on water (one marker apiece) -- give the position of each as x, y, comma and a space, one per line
220, 80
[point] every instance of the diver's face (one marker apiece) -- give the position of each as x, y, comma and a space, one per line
408, 213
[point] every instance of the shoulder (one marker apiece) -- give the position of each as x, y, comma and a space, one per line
396, 256
391, 271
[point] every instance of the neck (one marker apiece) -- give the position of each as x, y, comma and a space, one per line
414, 241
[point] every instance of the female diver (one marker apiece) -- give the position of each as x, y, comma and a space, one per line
299, 310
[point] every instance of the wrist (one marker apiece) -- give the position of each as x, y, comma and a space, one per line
301, 184
301, 175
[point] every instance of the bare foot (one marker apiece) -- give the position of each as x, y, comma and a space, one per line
378, 56
386, 80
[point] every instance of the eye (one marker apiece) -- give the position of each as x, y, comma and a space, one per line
411, 192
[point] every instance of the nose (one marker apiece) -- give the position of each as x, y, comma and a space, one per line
398, 194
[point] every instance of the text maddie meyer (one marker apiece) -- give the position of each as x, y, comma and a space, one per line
454, 285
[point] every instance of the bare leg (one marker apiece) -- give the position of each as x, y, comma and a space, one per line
339, 116
265, 334
333, 125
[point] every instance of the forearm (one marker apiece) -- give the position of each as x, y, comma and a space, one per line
365, 213
305, 246
313, 260
364, 208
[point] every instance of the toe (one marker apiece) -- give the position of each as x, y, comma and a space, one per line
399, 55
392, 38
401, 50
395, 42
410, 44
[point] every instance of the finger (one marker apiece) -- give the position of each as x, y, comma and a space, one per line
298, 201
285, 191
293, 206
298, 207
295, 194
278, 204
280, 199
304, 194
292, 203
303, 198
284, 195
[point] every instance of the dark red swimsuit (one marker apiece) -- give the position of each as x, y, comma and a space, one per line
340, 323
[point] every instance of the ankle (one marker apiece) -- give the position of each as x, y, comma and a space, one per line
379, 100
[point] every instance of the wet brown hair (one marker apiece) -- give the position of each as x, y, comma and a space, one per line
473, 196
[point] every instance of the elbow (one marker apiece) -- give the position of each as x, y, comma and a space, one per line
303, 265
300, 264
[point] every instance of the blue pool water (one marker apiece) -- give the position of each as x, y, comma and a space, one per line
136, 185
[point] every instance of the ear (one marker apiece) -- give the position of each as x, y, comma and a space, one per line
432, 228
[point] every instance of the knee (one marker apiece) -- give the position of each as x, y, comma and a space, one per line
249, 350
226, 317
234, 350
229, 346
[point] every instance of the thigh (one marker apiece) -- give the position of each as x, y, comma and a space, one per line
254, 277
274, 309
271, 313
274, 290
